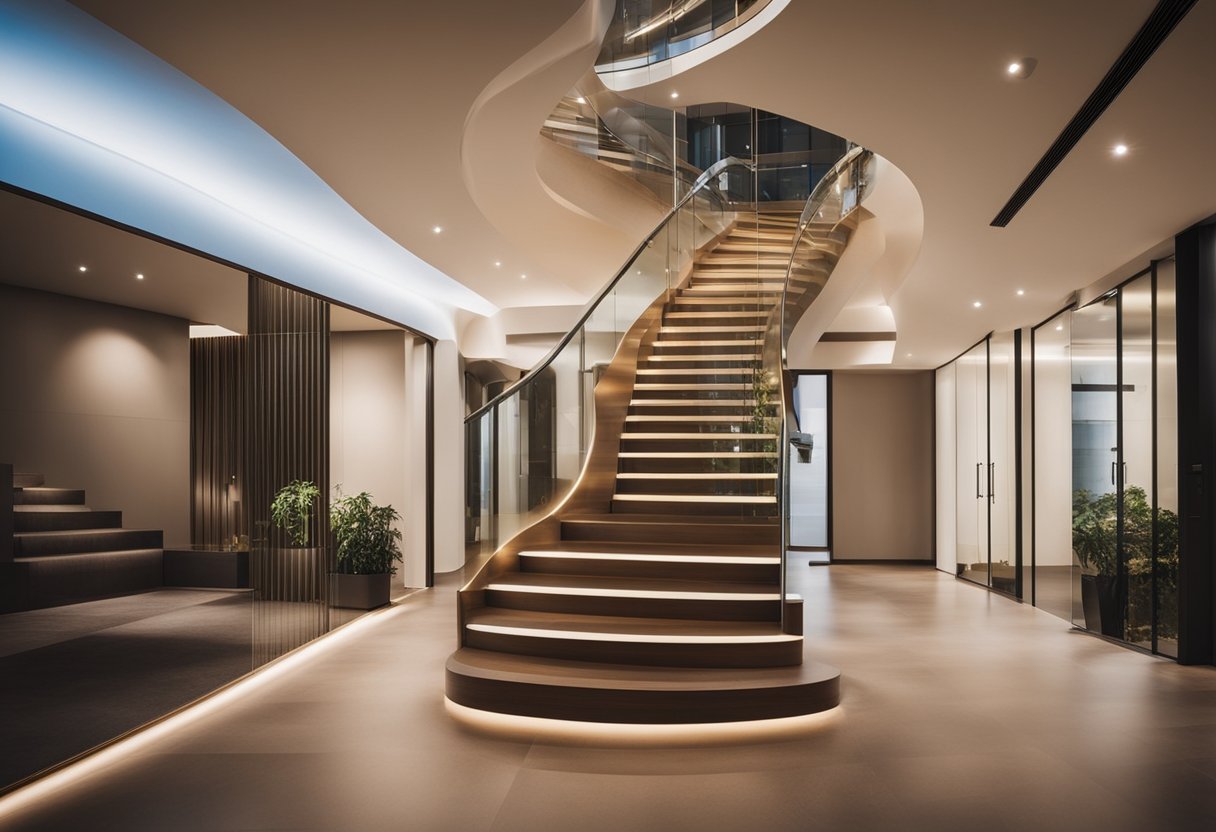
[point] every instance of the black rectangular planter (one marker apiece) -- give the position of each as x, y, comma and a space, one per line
360, 592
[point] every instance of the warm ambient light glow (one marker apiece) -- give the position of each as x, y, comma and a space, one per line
1059, 327
437, 229
616, 734
1021, 292
136, 743
523, 277
84, 268
581, 100
1014, 68
675, 95
1119, 150
498, 264
977, 304
139, 276
210, 331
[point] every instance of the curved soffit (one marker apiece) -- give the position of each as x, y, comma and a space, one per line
90, 119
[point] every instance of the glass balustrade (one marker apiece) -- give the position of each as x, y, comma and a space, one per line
645, 32
526, 447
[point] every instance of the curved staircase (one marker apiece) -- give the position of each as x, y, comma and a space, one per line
654, 593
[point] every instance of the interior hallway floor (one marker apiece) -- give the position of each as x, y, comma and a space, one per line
962, 710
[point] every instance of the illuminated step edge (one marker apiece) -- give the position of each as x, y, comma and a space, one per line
636, 638
723, 436
694, 498
726, 342
696, 455
643, 735
604, 592
725, 371
650, 417
636, 556
696, 475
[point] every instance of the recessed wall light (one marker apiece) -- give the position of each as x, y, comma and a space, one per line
139, 276
977, 304
1021, 292
84, 268
1119, 150
437, 229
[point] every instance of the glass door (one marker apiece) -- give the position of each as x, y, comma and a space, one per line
1135, 468
971, 421
808, 467
1002, 462
1095, 468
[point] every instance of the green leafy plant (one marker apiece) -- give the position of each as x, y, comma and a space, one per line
292, 509
367, 542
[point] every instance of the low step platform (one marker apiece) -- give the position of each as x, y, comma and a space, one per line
549, 688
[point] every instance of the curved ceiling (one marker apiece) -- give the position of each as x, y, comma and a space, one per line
375, 97
924, 84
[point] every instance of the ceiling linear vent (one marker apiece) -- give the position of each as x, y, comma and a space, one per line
1152, 34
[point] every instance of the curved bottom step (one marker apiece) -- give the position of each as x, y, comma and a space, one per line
589, 692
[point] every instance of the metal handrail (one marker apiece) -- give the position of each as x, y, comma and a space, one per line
702, 180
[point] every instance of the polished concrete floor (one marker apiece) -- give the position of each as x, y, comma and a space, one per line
962, 711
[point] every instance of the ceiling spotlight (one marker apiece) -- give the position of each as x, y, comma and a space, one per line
581, 100
1020, 67
437, 229
498, 264
1021, 292
523, 277
1119, 150
84, 268
139, 276
1059, 327
977, 304
909, 355
675, 95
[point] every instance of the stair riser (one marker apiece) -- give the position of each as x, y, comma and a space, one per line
749, 488
695, 509
673, 347
48, 497
695, 409
71, 579
676, 465
706, 444
621, 530
57, 521
709, 334
692, 570
646, 423
67, 543
761, 654
701, 610
28, 480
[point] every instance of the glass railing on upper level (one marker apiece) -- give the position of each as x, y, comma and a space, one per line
645, 32
526, 447
825, 228
628, 136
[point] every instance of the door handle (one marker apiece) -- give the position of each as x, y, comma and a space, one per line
992, 482
1112, 473
978, 466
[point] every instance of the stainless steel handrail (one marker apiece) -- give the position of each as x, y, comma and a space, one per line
713, 171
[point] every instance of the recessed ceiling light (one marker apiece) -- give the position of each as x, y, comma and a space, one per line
523, 277
1020, 68
1119, 150
581, 100
909, 355
675, 95
437, 229
977, 304
84, 268
139, 276
498, 264
1021, 292
1059, 327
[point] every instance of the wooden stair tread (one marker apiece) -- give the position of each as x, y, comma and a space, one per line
574, 625
630, 586
725, 499
674, 549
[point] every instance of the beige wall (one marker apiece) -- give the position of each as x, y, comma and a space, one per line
368, 421
97, 396
882, 465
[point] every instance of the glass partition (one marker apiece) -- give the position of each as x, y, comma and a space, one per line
645, 32
1052, 588
526, 447
1165, 425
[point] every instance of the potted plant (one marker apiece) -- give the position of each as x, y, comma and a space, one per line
296, 568
1094, 543
369, 548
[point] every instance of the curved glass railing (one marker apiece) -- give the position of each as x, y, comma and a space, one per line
645, 32
526, 447
824, 230
630, 137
